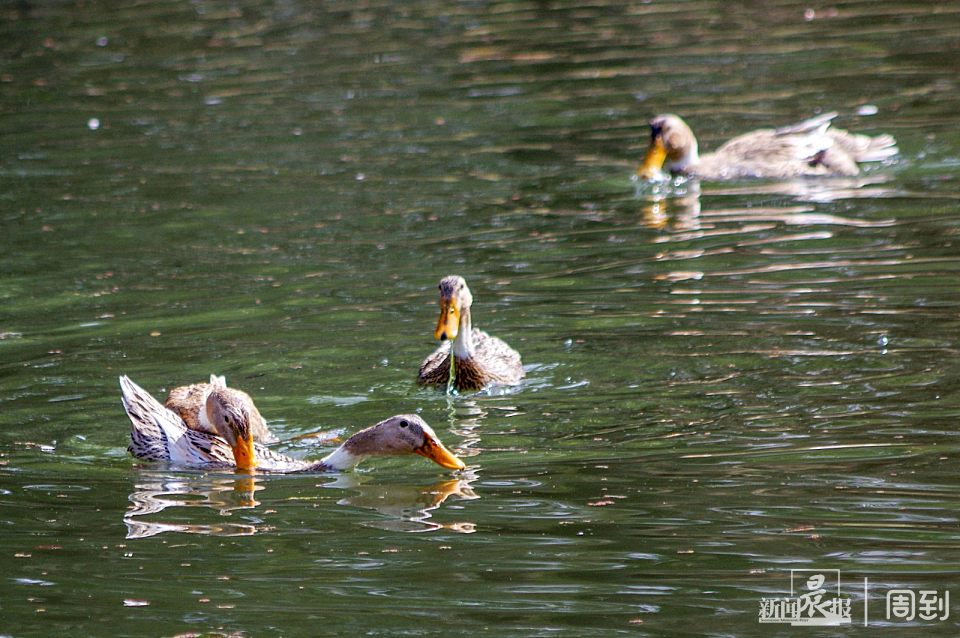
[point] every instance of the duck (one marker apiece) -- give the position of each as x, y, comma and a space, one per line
469, 358
195, 403
808, 148
161, 435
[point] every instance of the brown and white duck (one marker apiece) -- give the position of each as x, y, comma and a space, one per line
470, 359
195, 404
159, 434
808, 148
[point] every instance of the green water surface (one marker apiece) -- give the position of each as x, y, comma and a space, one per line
722, 386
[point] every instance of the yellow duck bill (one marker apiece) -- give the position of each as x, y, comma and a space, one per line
653, 162
439, 454
448, 325
244, 454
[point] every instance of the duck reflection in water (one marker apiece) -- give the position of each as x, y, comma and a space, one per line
679, 211
675, 205
224, 495
406, 508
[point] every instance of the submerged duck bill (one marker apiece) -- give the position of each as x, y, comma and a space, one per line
244, 455
652, 166
439, 454
448, 324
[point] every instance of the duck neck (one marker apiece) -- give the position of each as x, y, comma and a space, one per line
463, 344
686, 163
340, 459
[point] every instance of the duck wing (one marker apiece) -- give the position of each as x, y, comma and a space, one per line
805, 148
435, 369
861, 148
500, 361
816, 125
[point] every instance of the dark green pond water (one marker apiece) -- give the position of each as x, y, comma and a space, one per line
721, 387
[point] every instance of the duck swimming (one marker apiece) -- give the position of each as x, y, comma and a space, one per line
808, 148
159, 434
195, 404
470, 359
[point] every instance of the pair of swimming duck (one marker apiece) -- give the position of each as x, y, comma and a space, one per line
209, 425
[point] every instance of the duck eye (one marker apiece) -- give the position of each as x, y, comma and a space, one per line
404, 423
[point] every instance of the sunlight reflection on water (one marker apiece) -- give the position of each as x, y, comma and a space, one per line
725, 380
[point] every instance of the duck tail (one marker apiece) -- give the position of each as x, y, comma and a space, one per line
864, 148
879, 148
152, 423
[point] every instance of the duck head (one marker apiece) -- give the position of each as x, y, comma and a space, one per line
231, 419
672, 144
455, 300
399, 435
